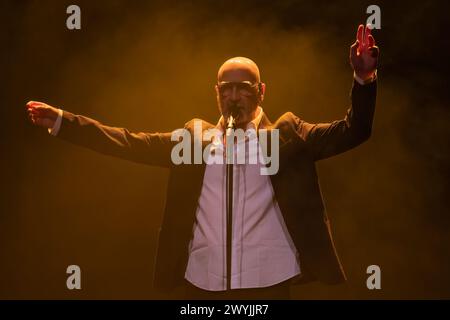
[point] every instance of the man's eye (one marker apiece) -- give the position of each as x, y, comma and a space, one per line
246, 91
241, 89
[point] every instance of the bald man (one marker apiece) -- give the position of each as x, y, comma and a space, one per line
281, 233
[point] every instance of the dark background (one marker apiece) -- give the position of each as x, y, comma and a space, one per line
151, 66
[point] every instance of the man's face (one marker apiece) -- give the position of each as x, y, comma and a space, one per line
238, 87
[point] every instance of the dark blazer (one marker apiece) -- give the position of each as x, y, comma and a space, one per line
295, 185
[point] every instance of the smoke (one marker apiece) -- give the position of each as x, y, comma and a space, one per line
152, 67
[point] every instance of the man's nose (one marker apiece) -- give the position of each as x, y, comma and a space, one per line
235, 94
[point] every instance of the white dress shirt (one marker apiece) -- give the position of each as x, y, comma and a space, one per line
263, 253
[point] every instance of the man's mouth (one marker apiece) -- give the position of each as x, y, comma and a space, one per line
235, 110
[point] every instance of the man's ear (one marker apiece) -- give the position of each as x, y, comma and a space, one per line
218, 98
217, 89
262, 91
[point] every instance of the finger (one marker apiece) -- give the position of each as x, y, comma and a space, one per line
34, 116
354, 49
33, 120
30, 104
33, 113
38, 121
33, 109
374, 51
371, 41
37, 110
359, 33
33, 104
367, 33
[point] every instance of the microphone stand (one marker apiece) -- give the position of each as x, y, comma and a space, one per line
229, 192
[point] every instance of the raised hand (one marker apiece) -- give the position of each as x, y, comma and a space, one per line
42, 114
364, 54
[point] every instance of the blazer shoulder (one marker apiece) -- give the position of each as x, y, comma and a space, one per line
287, 125
190, 125
291, 125
287, 122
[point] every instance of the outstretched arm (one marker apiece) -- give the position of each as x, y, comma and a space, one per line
328, 139
148, 148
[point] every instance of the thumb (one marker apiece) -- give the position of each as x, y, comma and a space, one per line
374, 52
354, 49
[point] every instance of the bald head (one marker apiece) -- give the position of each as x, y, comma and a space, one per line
236, 94
239, 69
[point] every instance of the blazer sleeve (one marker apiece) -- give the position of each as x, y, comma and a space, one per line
147, 148
329, 139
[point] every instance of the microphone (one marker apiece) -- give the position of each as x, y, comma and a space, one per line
232, 115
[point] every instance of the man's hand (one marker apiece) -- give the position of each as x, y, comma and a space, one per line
364, 54
41, 114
